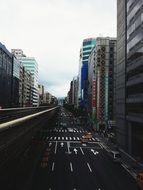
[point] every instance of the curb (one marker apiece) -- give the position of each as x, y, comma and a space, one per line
133, 174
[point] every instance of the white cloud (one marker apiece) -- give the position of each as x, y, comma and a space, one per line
52, 31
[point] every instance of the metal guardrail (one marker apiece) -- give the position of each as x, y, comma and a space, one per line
9, 124
22, 108
14, 113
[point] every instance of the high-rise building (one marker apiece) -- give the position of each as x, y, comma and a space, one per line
85, 51
5, 77
101, 82
31, 66
41, 94
134, 77
25, 88
129, 80
49, 99
15, 82
121, 129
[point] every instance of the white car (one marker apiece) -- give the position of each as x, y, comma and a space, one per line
70, 130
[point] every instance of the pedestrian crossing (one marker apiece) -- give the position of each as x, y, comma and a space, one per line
75, 130
68, 139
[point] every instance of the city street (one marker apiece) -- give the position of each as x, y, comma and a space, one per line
68, 164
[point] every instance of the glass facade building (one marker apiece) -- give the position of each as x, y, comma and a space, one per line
85, 51
5, 77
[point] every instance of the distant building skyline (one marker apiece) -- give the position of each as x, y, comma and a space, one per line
31, 66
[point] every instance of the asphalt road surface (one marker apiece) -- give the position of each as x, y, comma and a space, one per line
68, 164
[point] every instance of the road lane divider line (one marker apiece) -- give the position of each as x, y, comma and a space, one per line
71, 167
56, 147
81, 151
68, 146
53, 166
89, 167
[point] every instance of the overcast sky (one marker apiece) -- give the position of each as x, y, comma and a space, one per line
52, 31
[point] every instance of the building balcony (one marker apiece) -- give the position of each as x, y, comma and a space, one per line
136, 98
137, 79
135, 117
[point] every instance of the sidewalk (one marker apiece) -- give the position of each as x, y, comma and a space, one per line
128, 162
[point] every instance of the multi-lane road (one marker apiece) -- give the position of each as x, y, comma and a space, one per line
68, 164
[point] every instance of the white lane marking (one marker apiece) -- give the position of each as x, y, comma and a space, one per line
81, 151
71, 167
51, 138
89, 167
74, 138
75, 150
50, 144
65, 130
62, 138
70, 138
56, 148
59, 130
78, 138
53, 166
62, 130
58, 138
68, 146
101, 146
50, 188
62, 144
47, 138
80, 131
93, 139
55, 138
66, 138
